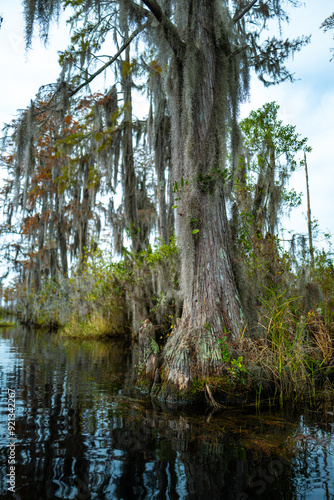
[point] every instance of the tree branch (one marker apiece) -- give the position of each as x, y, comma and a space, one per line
169, 28
239, 16
113, 59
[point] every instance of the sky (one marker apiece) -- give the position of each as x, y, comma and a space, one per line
307, 103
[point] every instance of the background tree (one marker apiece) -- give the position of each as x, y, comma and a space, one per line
271, 152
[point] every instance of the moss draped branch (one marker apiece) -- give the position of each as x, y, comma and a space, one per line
237, 16
113, 59
170, 30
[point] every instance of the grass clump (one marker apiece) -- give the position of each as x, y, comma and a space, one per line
293, 351
95, 327
284, 352
5, 324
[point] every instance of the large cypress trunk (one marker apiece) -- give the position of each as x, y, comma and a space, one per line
203, 96
210, 304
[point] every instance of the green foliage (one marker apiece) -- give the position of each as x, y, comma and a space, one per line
95, 327
274, 151
235, 367
323, 272
177, 189
287, 353
224, 350
169, 324
291, 198
154, 346
161, 253
262, 128
197, 385
48, 304
208, 181
132, 230
6, 324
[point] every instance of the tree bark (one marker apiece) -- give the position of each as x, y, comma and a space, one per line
309, 219
211, 305
61, 227
130, 202
61, 237
160, 166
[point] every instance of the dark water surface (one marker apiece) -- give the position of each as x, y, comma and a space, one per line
82, 432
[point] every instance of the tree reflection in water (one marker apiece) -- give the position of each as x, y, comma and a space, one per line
85, 433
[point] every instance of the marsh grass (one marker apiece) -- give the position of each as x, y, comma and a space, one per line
293, 349
321, 336
277, 359
96, 327
290, 360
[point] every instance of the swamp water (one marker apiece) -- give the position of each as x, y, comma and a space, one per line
83, 432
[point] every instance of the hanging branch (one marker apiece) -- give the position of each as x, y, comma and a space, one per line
170, 30
237, 17
113, 59
100, 70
